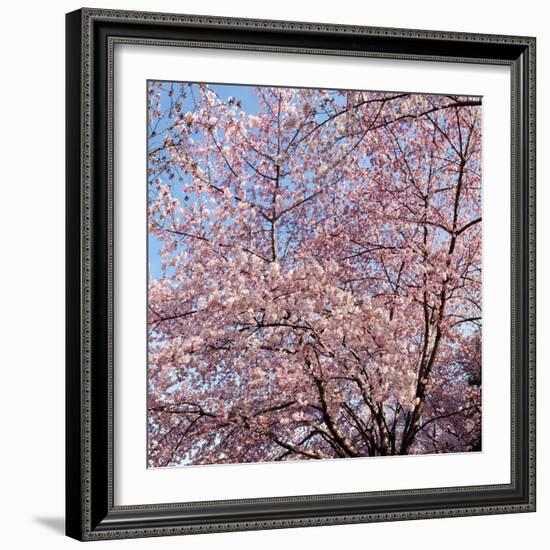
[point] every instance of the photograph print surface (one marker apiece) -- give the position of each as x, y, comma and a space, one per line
314, 273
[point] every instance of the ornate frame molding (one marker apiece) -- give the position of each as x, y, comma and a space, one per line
91, 36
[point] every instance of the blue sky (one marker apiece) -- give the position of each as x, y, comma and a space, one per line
249, 103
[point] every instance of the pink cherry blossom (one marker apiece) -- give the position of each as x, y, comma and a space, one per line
319, 285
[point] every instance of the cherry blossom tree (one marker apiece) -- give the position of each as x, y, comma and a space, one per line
318, 293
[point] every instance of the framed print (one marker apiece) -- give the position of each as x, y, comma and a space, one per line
300, 274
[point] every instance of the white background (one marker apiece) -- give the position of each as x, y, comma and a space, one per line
134, 484
32, 230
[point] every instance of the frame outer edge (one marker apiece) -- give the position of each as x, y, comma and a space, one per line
79, 266
532, 250
287, 25
74, 497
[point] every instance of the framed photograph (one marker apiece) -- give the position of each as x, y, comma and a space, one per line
300, 274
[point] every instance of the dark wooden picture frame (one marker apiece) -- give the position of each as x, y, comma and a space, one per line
90, 510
